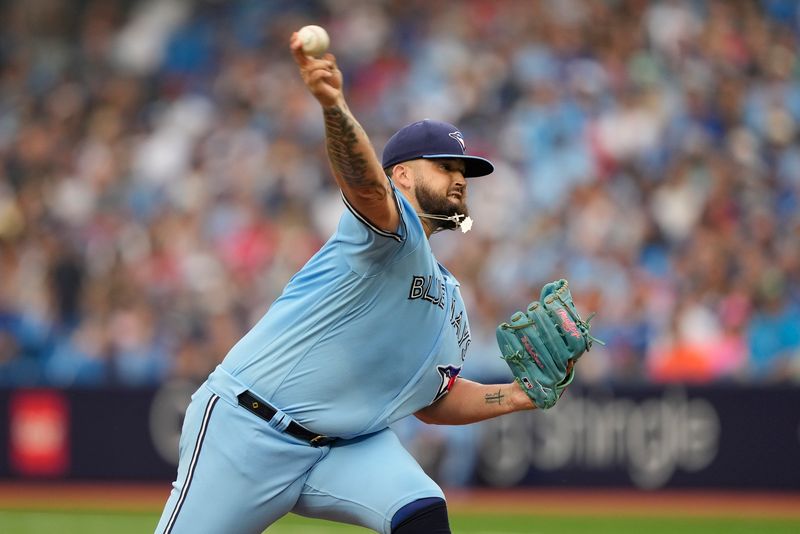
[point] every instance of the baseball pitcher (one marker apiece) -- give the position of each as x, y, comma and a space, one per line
370, 330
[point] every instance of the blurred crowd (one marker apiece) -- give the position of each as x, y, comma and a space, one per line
163, 174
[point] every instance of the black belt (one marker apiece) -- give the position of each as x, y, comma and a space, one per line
267, 412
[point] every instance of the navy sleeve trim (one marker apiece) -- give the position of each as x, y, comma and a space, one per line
371, 226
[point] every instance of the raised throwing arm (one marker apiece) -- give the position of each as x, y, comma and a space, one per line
352, 157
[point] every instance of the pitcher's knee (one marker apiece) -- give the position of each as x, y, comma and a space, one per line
423, 516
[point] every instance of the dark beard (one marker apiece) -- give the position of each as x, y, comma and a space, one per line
439, 205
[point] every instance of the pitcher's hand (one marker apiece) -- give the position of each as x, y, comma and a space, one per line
321, 75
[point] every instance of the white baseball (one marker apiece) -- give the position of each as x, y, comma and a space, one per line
315, 40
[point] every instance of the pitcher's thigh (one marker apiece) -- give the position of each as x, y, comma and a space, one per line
364, 482
235, 473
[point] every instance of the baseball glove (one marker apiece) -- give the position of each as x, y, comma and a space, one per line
542, 345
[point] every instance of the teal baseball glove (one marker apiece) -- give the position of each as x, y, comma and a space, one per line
542, 344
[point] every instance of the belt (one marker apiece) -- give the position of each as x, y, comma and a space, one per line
267, 412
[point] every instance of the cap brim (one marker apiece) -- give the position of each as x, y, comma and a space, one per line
474, 166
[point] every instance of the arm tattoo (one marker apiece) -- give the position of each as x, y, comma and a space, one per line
494, 398
347, 162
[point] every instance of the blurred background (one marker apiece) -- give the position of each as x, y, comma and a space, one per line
163, 174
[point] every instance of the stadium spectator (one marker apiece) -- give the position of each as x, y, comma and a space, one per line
147, 216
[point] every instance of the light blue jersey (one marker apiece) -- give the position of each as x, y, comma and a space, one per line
370, 330
296, 417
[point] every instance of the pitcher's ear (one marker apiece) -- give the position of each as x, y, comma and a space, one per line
402, 176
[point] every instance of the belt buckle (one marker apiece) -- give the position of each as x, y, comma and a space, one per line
319, 441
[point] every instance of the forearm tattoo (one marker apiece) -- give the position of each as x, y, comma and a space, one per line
494, 398
342, 141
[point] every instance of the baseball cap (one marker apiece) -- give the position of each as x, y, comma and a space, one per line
429, 139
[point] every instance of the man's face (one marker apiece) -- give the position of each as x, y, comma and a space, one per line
441, 189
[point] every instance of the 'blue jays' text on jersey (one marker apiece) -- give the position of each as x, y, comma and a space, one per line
370, 330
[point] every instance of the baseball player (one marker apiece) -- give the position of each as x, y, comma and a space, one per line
372, 329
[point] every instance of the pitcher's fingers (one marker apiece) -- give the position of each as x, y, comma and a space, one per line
296, 46
311, 64
317, 75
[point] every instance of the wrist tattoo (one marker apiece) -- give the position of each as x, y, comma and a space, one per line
342, 140
494, 398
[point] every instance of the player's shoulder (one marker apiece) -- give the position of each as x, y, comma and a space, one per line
409, 231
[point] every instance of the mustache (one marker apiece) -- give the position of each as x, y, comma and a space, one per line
460, 189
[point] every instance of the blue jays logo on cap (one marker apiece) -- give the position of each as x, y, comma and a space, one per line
429, 139
460, 138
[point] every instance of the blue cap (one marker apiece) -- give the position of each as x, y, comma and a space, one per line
428, 139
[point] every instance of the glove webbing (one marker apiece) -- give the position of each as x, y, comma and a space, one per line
584, 326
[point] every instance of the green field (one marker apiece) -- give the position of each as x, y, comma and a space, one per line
88, 522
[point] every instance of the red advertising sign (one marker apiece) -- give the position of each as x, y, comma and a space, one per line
39, 433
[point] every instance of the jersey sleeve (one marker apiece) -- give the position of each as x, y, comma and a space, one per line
366, 248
